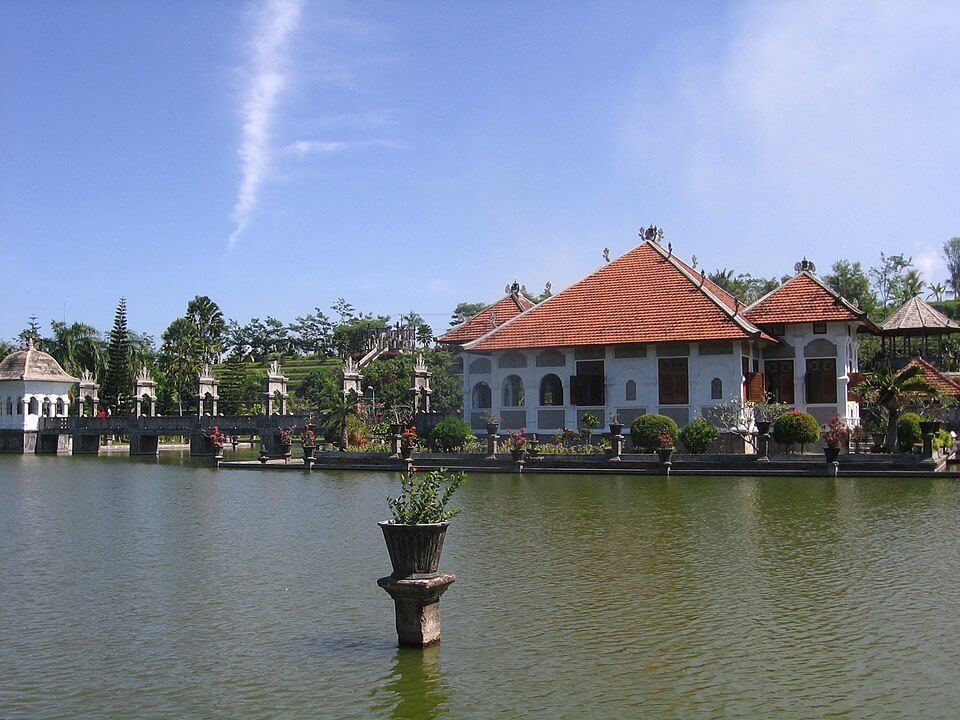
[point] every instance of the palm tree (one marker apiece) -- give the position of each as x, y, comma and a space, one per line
938, 290
77, 347
337, 410
889, 391
913, 285
207, 317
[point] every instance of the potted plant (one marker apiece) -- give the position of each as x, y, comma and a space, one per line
666, 448
217, 439
616, 427
835, 433
414, 535
492, 423
517, 443
286, 440
407, 440
308, 441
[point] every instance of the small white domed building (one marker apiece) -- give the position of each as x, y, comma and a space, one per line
32, 385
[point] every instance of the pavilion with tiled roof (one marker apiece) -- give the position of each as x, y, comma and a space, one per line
492, 316
943, 384
916, 329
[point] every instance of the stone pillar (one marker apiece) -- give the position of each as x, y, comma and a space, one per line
145, 387
492, 442
417, 604
276, 387
616, 447
207, 385
927, 446
87, 389
420, 388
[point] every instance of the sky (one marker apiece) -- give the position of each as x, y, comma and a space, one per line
279, 154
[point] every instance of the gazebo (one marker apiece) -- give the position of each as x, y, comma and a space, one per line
917, 329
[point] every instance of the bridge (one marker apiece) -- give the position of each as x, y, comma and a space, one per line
145, 431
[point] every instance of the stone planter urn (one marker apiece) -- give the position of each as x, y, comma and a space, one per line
518, 454
929, 427
263, 456
763, 427
406, 452
831, 454
414, 549
286, 454
309, 451
218, 455
616, 428
665, 454
493, 428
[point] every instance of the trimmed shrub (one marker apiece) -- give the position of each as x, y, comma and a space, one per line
796, 428
647, 429
451, 434
699, 436
908, 429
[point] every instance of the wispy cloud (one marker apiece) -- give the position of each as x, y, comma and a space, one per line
277, 22
310, 147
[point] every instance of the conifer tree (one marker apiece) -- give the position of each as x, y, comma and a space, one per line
118, 382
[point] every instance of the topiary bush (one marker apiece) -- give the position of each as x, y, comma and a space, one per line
796, 428
647, 429
451, 434
908, 430
699, 436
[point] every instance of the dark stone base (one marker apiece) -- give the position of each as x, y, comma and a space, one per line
86, 444
14, 441
417, 603
148, 445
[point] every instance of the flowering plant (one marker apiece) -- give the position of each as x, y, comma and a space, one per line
286, 436
835, 432
409, 436
666, 441
216, 438
518, 440
308, 436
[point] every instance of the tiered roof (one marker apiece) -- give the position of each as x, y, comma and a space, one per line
506, 308
645, 296
917, 317
805, 298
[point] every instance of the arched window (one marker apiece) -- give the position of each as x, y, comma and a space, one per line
482, 399
20, 406
46, 407
480, 366
33, 407
551, 390
716, 389
60, 411
512, 392
631, 390
513, 359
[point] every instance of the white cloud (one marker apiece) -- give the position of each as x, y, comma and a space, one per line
278, 20
309, 147
930, 264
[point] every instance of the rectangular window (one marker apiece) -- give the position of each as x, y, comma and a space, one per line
586, 387
779, 377
674, 384
822, 381
820, 328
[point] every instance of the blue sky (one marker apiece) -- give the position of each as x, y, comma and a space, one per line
278, 155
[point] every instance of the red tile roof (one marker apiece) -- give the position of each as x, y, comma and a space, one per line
804, 299
644, 296
936, 378
506, 308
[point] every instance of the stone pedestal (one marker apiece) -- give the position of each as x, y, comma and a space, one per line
763, 441
927, 446
833, 469
492, 446
616, 447
395, 441
417, 602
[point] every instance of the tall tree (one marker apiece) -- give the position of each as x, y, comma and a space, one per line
911, 286
937, 291
336, 412
207, 317
850, 280
180, 357
31, 332
888, 278
887, 392
117, 387
466, 310
345, 310
312, 333
77, 347
951, 253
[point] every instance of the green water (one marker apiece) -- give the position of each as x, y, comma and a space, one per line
146, 589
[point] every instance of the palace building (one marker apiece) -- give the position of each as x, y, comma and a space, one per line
648, 333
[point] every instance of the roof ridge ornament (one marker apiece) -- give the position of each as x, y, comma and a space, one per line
652, 233
805, 266
703, 276
606, 254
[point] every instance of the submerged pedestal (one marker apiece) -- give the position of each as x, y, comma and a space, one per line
417, 602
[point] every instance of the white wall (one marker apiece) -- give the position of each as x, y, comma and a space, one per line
15, 390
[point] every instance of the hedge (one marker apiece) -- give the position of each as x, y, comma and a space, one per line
647, 429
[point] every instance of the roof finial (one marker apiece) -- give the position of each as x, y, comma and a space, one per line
606, 254
694, 260
703, 276
652, 234
669, 249
30, 342
805, 266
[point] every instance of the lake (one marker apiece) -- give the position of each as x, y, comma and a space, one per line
165, 589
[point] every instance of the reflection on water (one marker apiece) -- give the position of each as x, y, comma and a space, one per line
162, 588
